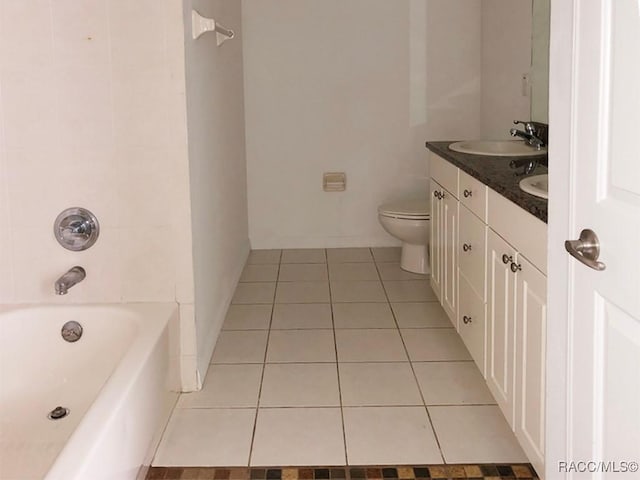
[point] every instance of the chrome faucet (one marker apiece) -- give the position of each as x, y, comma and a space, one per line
530, 135
69, 279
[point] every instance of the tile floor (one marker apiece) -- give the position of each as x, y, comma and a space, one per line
337, 357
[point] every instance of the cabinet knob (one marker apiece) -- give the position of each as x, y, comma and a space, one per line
506, 258
515, 267
467, 193
466, 319
466, 247
435, 194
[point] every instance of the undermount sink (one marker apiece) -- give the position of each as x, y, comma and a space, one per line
537, 185
496, 148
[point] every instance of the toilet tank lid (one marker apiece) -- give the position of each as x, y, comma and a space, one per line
406, 207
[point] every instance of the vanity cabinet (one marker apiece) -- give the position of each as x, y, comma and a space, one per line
494, 279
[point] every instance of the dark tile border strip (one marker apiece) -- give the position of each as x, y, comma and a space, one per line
520, 471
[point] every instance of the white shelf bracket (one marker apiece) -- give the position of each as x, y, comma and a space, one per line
202, 25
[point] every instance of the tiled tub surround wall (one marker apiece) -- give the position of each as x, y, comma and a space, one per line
93, 113
335, 357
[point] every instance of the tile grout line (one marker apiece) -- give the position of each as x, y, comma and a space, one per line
415, 377
335, 346
264, 364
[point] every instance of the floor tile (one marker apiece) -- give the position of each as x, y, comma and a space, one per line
347, 255
302, 292
248, 317
353, 271
366, 345
293, 346
259, 273
386, 254
392, 271
409, 291
452, 383
304, 255
251, 293
259, 257
298, 436
207, 437
357, 291
300, 385
363, 315
226, 386
308, 272
434, 344
364, 384
240, 347
487, 437
421, 315
389, 435
291, 316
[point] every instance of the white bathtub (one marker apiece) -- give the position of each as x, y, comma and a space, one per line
115, 381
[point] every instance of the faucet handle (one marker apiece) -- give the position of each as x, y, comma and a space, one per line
528, 126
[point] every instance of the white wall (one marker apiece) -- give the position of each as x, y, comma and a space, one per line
353, 86
506, 56
540, 61
215, 112
93, 114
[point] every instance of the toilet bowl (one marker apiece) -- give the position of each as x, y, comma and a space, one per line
410, 222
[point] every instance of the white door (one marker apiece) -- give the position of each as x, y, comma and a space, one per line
531, 330
449, 238
435, 243
593, 341
500, 323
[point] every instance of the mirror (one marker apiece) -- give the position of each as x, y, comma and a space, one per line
540, 61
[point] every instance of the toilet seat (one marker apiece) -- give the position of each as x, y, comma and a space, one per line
406, 209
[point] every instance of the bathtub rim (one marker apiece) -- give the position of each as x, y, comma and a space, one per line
152, 320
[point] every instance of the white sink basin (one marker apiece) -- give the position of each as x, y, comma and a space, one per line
496, 148
537, 185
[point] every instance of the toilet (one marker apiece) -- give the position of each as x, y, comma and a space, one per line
409, 221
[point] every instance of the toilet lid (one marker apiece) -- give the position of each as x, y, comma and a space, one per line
418, 209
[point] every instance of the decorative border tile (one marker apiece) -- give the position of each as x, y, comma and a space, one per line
422, 472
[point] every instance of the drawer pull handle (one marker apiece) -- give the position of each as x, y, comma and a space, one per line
438, 195
466, 247
466, 320
515, 267
467, 193
506, 258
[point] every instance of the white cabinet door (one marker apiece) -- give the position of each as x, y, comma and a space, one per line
449, 298
435, 242
531, 326
471, 320
472, 250
500, 323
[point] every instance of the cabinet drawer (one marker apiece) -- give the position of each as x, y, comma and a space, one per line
472, 248
471, 319
473, 195
525, 232
444, 173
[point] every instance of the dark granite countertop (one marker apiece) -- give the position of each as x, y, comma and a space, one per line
497, 175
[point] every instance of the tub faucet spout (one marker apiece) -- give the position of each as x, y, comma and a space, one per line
69, 279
